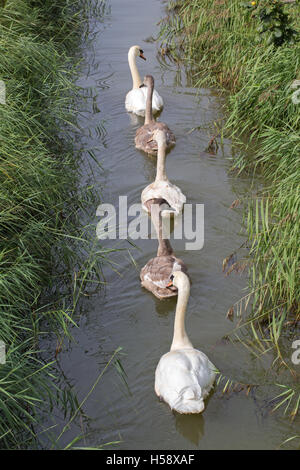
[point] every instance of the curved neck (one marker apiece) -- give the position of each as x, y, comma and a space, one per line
161, 162
164, 245
148, 113
136, 79
180, 337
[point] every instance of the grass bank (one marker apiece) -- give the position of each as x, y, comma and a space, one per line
42, 236
251, 51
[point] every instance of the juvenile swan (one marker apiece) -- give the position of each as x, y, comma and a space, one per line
143, 137
184, 376
162, 188
155, 275
135, 101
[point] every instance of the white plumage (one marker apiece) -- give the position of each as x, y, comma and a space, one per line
135, 101
183, 379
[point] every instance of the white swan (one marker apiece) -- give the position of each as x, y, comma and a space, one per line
184, 376
162, 188
135, 101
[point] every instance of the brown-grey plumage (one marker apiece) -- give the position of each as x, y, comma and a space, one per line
155, 275
143, 137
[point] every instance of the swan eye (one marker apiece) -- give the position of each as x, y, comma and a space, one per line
171, 277
141, 51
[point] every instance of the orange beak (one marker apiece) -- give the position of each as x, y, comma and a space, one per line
170, 284
142, 56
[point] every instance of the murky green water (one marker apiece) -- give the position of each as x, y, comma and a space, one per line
124, 314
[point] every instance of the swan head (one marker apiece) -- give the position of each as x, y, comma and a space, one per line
180, 280
148, 81
136, 51
160, 137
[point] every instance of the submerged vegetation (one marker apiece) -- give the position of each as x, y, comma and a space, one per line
252, 50
43, 242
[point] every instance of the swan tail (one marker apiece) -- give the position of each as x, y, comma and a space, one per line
189, 401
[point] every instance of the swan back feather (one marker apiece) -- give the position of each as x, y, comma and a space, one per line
183, 379
165, 190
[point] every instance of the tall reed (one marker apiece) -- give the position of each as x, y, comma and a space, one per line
43, 242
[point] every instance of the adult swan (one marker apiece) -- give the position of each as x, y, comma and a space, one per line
135, 101
184, 376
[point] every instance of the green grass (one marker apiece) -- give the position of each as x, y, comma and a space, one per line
219, 43
44, 245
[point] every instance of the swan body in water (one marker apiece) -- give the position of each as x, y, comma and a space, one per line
162, 188
143, 136
155, 275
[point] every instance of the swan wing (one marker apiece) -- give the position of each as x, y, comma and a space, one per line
135, 101
143, 137
203, 370
157, 101
159, 269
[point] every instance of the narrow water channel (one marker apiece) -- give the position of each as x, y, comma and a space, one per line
125, 315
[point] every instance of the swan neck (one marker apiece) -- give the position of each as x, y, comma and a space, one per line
136, 79
161, 163
164, 245
148, 113
180, 337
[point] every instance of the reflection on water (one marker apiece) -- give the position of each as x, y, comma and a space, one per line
126, 315
190, 427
